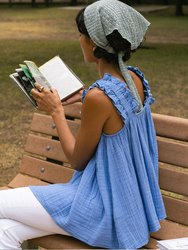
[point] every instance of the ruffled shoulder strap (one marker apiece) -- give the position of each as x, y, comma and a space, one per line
119, 94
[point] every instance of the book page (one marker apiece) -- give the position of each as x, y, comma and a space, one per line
61, 77
179, 243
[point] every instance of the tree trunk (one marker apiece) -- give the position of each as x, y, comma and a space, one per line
10, 3
73, 2
33, 3
46, 3
179, 8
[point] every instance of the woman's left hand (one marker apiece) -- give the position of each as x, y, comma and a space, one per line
47, 100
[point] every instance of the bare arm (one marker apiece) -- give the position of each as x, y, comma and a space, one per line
95, 113
74, 98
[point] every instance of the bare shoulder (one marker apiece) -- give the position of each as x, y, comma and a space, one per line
97, 104
97, 97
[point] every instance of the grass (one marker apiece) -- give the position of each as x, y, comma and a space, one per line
39, 23
168, 28
41, 33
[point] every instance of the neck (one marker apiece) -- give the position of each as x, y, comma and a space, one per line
106, 67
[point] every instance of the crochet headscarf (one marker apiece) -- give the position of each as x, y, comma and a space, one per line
103, 17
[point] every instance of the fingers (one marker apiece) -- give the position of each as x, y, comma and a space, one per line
37, 94
46, 99
39, 87
40, 93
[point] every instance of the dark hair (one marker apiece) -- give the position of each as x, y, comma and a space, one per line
80, 23
115, 40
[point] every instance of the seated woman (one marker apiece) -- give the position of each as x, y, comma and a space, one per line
113, 199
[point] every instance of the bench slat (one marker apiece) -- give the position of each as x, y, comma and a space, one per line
173, 179
163, 128
44, 124
177, 210
44, 170
167, 126
60, 242
73, 110
173, 152
151, 244
45, 147
21, 180
170, 229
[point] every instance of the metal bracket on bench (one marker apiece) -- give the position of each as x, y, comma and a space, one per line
48, 148
53, 126
42, 169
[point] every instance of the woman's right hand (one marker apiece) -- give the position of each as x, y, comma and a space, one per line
47, 100
74, 98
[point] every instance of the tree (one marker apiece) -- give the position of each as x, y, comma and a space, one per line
46, 3
33, 3
179, 8
73, 2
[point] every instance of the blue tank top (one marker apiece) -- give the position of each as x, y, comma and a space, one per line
115, 202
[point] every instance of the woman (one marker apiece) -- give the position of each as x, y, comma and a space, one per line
113, 199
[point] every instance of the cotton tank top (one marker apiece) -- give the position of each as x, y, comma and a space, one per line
115, 202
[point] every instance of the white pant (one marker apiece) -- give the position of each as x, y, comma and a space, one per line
22, 217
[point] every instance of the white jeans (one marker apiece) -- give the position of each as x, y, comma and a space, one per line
22, 217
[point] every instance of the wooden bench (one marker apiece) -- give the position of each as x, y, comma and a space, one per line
44, 162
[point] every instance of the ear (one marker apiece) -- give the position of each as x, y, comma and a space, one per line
90, 42
93, 44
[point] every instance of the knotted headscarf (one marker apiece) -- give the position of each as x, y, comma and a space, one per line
103, 17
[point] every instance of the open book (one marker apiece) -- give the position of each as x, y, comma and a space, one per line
179, 243
54, 73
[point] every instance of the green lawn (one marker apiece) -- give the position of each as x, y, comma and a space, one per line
41, 33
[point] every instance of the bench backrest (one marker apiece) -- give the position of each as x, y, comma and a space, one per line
44, 162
